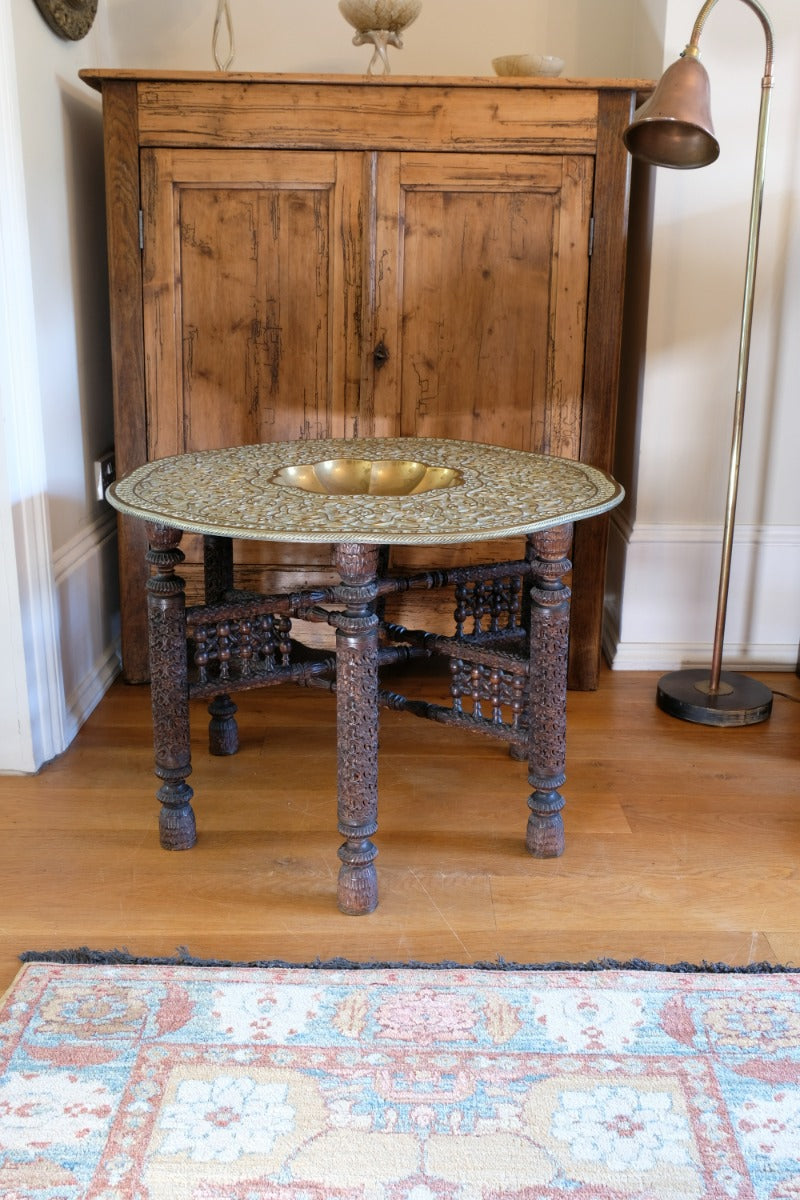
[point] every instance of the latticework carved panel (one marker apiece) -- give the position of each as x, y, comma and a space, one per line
491, 605
234, 649
493, 694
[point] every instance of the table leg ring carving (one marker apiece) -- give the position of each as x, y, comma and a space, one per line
358, 880
176, 823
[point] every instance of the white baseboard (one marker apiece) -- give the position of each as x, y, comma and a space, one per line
662, 592
84, 699
86, 585
659, 656
31, 726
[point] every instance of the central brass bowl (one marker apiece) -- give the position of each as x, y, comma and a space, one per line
367, 477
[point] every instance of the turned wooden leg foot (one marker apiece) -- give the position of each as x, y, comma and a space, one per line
223, 732
176, 824
169, 688
357, 887
357, 726
544, 837
549, 643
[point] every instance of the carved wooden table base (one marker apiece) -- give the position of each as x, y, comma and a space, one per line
537, 729
508, 655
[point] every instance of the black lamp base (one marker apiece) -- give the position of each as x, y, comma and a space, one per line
739, 700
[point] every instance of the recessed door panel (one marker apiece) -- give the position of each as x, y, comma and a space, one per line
482, 271
482, 282
253, 267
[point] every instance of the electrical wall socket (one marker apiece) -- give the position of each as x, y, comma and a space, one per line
104, 473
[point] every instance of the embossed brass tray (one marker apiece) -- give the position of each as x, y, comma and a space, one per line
391, 491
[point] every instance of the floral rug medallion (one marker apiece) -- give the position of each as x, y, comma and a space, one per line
204, 1083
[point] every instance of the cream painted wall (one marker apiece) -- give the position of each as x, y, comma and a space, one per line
56, 378
22, 474
613, 38
698, 271
450, 37
62, 157
666, 544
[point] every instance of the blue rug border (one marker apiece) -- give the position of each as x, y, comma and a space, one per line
183, 958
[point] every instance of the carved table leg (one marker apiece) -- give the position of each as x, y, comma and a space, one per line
549, 638
169, 688
223, 732
357, 725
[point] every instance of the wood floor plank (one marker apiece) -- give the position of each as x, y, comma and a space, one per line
683, 842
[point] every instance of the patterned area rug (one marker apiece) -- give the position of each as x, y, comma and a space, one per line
152, 1082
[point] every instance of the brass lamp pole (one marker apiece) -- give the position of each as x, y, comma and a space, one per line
673, 129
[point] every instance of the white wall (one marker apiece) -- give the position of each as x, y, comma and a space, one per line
56, 392
665, 544
615, 38
22, 474
665, 552
450, 37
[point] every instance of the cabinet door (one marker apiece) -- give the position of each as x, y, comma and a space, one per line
252, 296
482, 274
482, 266
252, 283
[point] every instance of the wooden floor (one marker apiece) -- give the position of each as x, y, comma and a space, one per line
683, 841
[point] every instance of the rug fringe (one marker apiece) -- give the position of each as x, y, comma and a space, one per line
183, 958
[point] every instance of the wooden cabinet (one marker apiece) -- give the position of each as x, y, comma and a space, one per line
297, 257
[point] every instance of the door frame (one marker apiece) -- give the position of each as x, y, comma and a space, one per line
32, 713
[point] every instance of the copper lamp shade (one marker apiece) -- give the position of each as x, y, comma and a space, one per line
673, 127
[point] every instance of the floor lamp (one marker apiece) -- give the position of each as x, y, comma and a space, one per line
673, 129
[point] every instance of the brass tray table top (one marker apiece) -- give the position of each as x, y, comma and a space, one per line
377, 491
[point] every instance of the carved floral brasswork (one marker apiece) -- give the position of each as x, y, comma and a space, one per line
234, 493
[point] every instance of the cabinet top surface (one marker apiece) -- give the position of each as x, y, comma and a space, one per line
379, 491
97, 77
